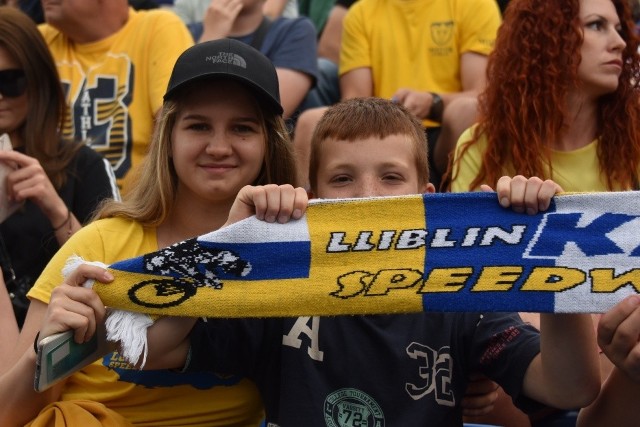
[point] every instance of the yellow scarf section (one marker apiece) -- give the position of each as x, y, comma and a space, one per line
291, 268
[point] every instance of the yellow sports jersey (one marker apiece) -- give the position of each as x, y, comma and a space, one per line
114, 87
576, 170
146, 398
416, 44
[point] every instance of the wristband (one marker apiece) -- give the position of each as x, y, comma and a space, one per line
65, 221
187, 362
437, 108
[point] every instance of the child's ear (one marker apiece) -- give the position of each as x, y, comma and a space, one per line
428, 188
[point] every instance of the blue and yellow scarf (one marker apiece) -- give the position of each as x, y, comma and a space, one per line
437, 252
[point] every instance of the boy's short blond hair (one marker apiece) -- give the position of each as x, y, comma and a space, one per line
361, 118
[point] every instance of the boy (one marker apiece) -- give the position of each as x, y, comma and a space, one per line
395, 370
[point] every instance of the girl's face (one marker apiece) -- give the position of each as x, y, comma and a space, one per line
13, 94
601, 50
218, 142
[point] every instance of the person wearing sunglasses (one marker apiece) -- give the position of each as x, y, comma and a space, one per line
13, 83
57, 182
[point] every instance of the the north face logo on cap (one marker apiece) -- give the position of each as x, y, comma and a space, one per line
227, 58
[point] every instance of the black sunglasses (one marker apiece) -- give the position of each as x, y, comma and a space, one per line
13, 83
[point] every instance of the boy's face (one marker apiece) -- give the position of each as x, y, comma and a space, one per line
367, 168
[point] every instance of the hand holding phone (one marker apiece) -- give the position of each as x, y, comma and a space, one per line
60, 356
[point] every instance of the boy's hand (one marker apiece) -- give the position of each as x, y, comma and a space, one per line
269, 203
525, 195
480, 396
619, 336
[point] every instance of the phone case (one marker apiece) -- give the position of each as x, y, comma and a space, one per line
59, 356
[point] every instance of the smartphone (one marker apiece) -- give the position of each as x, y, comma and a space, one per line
60, 356
7, 206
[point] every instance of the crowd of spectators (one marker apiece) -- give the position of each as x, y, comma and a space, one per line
500, 87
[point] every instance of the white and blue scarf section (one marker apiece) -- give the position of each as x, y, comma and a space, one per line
433, 252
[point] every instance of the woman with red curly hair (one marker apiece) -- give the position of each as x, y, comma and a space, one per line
562, 103
561, 100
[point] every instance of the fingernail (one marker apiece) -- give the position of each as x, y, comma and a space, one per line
108, 276
531, 211
270, 218
504, 202
282, 219
297, 214
634, 300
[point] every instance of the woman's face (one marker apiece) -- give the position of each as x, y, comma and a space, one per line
218, 142
601, 51
13, 94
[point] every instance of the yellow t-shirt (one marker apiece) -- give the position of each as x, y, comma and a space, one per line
146, 398
416, 44
576, 170
114, 87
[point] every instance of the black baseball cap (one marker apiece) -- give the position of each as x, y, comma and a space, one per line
231, 59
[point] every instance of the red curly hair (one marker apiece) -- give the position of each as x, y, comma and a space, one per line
530, 72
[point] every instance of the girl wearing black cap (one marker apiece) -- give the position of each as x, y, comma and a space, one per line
220, 129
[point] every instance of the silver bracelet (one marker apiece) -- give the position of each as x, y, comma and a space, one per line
187, 361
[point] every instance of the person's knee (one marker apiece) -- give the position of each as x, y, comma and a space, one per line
304, 130
302, 141
461, 113
458, 116
307, 121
